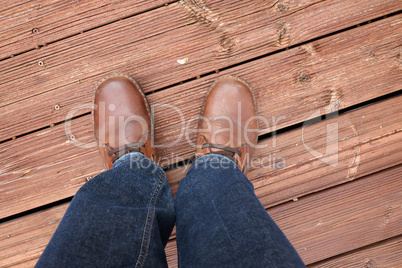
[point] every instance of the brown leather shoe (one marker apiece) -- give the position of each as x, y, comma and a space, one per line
123, 120
228, 116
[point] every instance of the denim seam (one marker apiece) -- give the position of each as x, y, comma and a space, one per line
152, 217
149, 222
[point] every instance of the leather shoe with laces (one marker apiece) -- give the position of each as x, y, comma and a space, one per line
123, 121
228, 123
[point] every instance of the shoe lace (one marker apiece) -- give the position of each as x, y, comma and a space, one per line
224, 150
124, 149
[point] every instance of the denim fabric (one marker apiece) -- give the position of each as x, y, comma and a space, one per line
121, 218
221, 222
124, 216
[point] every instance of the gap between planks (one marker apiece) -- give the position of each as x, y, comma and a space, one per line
386, 253
27, 26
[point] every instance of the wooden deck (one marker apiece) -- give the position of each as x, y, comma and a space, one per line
327, 75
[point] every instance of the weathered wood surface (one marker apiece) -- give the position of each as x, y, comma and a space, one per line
148, 47
384, 254
317, 78
341, 219
45, 166
368, 140
23, 240
26, 25
328, 74
320, 226
171, 254
351, 146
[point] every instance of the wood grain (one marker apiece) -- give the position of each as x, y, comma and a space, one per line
341, 219
45, 166
313, 79
23, 240
292, 86
344, 218
369, 140
25, 25
148, 48
384, 254
353, 145
320, 226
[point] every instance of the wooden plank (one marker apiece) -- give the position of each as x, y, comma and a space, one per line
384, 254
171, 254
26, 25
149, 47
321, 225
46, 166
23, 240
344, 218
351, 146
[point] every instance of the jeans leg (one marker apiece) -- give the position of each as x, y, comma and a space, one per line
121, 218
221, 222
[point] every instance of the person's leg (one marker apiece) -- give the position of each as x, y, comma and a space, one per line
121, 218
221, 223
124, 216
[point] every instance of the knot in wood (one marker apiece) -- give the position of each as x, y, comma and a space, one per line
227, 43
282, 7
304, 77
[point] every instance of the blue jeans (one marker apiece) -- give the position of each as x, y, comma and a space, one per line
124, 217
